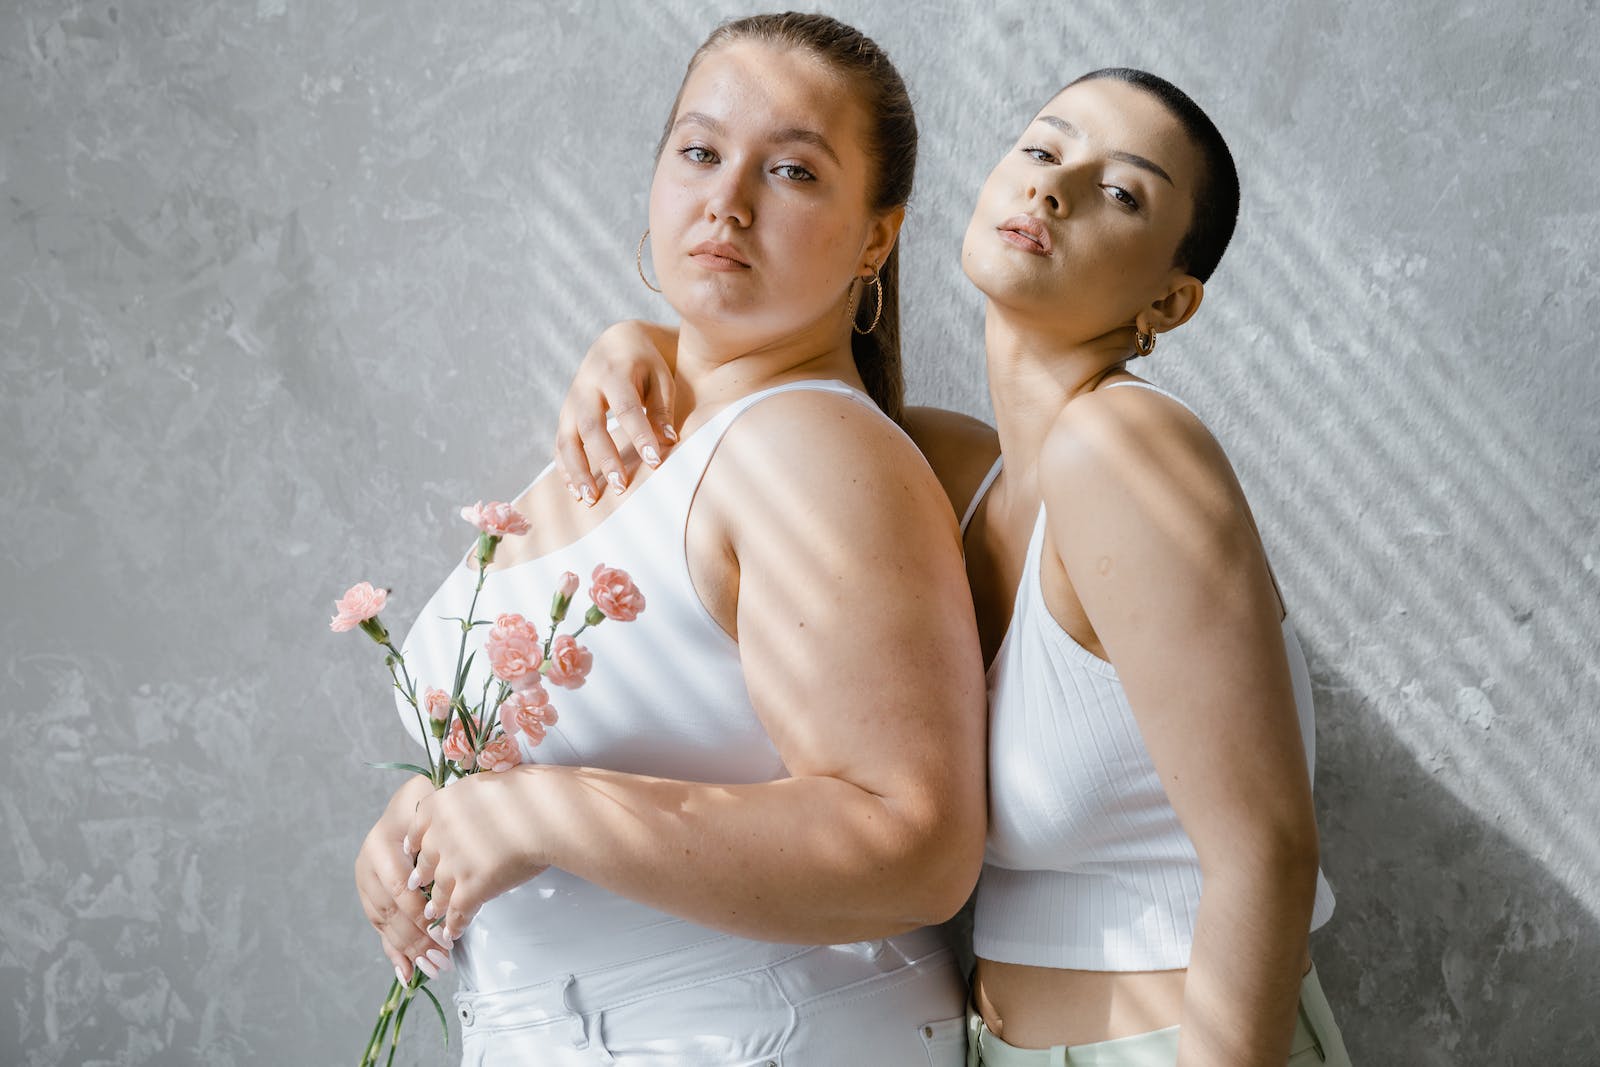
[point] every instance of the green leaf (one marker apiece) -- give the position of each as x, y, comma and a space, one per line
440, 1009
402, 767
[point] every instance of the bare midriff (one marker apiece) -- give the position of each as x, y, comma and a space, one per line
1039, 1007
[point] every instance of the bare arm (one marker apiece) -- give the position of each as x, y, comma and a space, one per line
1162, 555
860, 654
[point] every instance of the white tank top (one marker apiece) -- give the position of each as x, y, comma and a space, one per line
1087, 865
666, 697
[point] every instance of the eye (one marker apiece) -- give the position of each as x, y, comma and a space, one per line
698, 154
794, 172
1040, 155
1122, 196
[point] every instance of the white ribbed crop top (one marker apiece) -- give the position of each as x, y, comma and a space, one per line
1087, 866
666, 697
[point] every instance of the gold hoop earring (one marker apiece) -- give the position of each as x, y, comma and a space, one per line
877, 281
638, 260
1144, 343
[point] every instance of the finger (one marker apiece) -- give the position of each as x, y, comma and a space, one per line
661, 402
623, 398
398, 932
601, 451
572, 465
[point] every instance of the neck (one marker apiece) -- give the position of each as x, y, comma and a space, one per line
1033, 375
714, 369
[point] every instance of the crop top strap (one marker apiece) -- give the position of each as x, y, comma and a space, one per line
1157, 390
983, 489
1282, 604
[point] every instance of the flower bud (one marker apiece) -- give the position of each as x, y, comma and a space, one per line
594, 616
484, 553
563, 597
374, 629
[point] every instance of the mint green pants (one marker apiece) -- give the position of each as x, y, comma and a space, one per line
1316, 1041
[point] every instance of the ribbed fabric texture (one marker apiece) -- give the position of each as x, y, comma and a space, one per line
1087, 865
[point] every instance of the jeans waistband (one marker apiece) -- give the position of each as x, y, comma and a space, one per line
1154, 1047
803, 972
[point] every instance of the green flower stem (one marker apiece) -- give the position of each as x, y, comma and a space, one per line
392, 1013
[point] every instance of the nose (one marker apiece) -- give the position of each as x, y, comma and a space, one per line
1053, 201
730, 199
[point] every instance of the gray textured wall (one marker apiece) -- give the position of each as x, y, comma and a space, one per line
270, 271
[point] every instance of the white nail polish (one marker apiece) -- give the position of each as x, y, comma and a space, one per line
427, 910
440, 960
399, 975
415, 880
588, 495
439, 936
651, 456
427, 967
405, 846
670, 432
616, 481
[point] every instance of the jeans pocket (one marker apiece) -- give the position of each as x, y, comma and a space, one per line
945, 1042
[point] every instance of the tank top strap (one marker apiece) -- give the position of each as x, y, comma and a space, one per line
1158, 391
983, 490
687, 464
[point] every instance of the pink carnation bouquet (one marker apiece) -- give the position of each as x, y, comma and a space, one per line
463, 737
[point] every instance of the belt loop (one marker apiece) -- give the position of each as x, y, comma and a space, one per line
580, 1038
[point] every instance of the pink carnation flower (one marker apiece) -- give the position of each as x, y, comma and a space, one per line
436, 702
495, 518
569, 663
528, 711
501, 754
568, 586
513, 648
359, 603
614, 593
457, 748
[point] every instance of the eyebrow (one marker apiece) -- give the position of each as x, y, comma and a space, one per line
788, 135
1126, 157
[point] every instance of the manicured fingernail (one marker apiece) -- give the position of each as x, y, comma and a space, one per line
451, 934
440, 959
670, 433
615, 479
574, 491
439, 936
405, 845
427, 910
427, 967
415, 880
588, 495
399, 975
651, 456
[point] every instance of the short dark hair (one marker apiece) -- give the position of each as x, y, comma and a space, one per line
1216, 195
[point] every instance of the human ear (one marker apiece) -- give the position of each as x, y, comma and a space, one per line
1176, 307
881, 235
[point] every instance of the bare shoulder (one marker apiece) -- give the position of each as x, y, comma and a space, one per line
959, 448
1130, 464
830, 452
1119, 433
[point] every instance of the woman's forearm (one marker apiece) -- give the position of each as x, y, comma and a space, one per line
1248, 960
811, 860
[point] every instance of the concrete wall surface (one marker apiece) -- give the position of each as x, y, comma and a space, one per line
270, 272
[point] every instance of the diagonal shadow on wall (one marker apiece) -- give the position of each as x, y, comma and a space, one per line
1451, 944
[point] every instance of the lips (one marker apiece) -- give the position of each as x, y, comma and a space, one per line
1026, 233
718, 255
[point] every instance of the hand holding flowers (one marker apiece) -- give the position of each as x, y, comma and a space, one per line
487, 732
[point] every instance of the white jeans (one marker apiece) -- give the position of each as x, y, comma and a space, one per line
734, 1003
